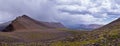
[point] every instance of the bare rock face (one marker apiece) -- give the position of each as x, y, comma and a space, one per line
24, 22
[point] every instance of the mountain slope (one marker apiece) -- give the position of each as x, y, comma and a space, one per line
25, 22
108, 35
4, 25
111, 26
25, 29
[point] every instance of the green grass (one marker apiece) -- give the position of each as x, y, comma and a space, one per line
103, 38
76, 38
22, 44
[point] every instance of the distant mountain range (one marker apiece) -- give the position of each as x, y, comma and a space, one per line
86, 26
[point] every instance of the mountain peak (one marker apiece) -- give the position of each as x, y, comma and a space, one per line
23, 16
25, 22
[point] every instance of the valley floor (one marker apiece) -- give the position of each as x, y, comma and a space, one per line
60, 37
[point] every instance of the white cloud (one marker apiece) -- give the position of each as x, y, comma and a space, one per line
100, 10
80, 19
39, 9
5, 17
66, 11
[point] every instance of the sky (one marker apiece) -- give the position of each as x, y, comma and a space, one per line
68, 12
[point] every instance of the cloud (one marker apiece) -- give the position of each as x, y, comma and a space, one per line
38, 9
103, 10
4, 16
65, 11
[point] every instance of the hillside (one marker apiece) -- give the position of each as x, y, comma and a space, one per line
26, 30
111, 26
25, 22
108, 35
4, 25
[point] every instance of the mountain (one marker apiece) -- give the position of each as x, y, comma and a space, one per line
4, 25
25, 29
25, 22
107, 35
86, 27
52, 24
111, 26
